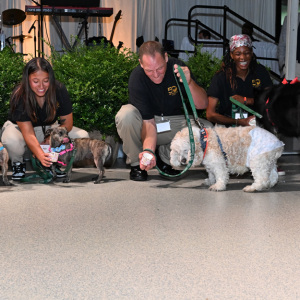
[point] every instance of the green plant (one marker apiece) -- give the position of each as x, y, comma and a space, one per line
11, 67
96, 78
203, 66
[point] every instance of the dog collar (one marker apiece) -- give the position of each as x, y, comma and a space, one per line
58, 149
1, 148
203, 140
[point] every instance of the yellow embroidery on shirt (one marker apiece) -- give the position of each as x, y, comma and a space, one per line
172, 90
256, 83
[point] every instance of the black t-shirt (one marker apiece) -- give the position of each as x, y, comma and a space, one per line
156, 99
220, 88
64, 107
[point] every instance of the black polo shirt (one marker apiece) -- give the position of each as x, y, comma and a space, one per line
220, 88
64, 107
156, 99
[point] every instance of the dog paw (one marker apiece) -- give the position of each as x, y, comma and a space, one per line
7, 183
208, 182
249, 189
217, 187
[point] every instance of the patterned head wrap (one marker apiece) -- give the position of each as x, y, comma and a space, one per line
239, 40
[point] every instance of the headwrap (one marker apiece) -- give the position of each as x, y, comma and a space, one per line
239, 40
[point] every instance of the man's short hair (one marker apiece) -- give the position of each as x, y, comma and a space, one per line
150, 48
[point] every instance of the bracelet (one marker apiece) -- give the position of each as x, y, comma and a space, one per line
245, 100
149, 150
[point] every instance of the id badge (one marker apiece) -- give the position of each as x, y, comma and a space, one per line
243, 116
163, 125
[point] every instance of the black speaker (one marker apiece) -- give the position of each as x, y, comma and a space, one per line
139, 41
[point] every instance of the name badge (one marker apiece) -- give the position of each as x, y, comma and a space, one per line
163, 125
244, 115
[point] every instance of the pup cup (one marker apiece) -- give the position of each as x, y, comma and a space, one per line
252, 122
54, 156
146, 158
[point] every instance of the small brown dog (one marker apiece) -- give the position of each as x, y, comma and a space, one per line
4, 158
84, 148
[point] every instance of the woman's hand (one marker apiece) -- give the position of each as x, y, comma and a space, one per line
245, 122
45, 159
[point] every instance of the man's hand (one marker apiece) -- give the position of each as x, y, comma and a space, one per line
151, 164
186, 72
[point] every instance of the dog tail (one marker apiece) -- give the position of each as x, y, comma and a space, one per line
109, 157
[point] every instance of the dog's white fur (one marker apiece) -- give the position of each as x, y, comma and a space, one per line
235, 142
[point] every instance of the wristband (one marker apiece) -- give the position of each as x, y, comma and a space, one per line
245, 100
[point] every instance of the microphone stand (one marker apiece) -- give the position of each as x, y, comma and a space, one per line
41, 29
34, 41
33, 27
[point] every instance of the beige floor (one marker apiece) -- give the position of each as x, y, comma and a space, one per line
150, 240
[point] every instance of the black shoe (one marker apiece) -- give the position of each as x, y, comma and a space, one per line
166, 168
19, 170
137, 174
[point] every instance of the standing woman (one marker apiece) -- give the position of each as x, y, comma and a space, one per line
239, 75
36, 104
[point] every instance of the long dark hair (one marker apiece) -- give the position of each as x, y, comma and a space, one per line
24, 93
229, 68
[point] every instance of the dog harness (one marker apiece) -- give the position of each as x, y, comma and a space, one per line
64, 151
203, 140
221, 147
58, 149
1, 148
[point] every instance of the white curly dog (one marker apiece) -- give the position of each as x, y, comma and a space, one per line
234, 150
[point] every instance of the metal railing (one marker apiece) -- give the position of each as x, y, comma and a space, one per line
223, 39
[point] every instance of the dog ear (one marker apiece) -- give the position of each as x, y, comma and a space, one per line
48, 133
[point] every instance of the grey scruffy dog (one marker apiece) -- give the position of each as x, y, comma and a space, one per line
84, 148
4, 158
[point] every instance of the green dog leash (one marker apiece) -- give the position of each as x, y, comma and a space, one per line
191, 135
246, 108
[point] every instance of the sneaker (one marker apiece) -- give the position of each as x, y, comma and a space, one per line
19, 170
58, 171
280, 172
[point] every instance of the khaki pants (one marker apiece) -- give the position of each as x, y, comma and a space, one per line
129, 126
12, 139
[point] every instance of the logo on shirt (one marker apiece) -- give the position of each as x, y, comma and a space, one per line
172, 90
256, 83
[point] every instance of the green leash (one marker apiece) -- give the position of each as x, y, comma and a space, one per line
191, 135
42, 176
246, 108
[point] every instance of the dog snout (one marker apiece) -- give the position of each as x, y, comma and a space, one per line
183, 161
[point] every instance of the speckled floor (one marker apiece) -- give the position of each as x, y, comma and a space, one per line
158, 239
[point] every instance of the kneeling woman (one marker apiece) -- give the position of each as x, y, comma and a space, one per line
36, 104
